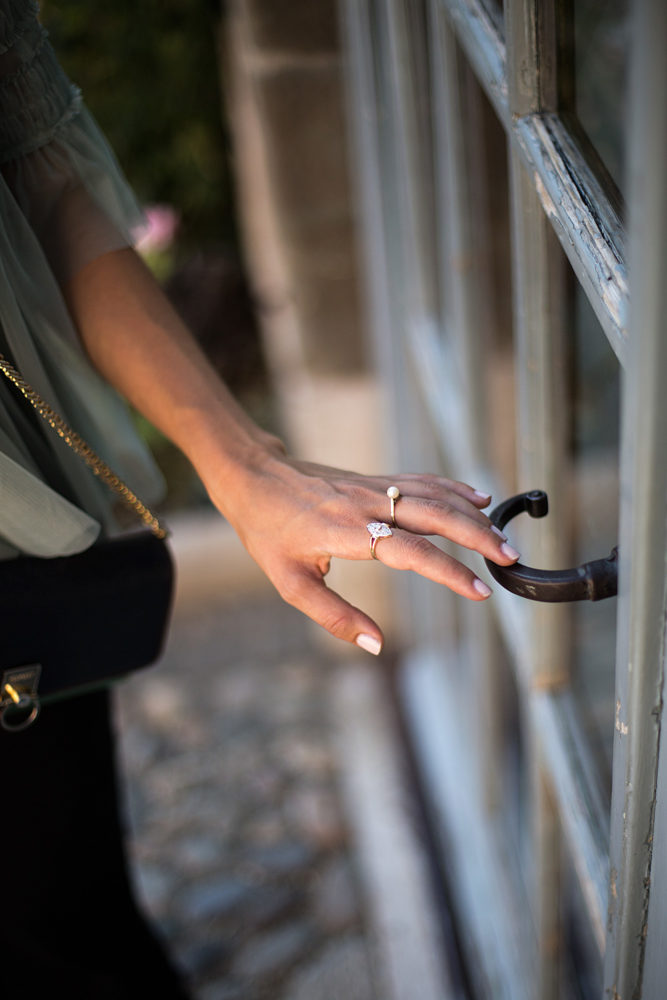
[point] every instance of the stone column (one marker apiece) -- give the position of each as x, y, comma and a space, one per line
283, 80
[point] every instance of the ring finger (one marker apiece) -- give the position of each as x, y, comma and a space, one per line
407, 551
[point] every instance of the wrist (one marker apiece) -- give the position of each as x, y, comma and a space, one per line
233, 465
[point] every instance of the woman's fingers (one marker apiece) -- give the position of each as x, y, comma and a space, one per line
308, 592
434, 514
414, 484
406, 551
447, 515
434, 487
434, 496
449, 520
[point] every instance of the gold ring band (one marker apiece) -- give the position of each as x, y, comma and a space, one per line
377, 529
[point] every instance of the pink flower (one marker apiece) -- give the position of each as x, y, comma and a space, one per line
159, 229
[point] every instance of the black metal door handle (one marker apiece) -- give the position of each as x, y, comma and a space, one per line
592, 581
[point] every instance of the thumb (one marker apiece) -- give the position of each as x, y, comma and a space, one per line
309, 593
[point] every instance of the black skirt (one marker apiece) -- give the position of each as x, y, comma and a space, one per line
68, 917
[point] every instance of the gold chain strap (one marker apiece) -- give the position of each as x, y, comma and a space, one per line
96, 464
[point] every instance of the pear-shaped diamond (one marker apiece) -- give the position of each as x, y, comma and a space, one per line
378, 529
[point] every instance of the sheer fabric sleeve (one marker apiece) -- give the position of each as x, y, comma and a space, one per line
63, 202
55, 160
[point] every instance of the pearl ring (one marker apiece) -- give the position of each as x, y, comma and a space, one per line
394, 494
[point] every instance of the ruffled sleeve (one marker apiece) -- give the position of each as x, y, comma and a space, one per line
54, 158
63, 202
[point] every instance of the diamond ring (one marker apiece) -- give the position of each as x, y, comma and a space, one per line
377, 529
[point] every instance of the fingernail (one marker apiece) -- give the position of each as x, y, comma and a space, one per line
482, 588
508, 551
501, 534
482, 495
369, 643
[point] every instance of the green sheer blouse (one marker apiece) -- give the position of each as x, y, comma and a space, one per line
63, 202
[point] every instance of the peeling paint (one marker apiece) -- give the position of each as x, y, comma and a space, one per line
620, 727
591, 240
544, 196
612, 900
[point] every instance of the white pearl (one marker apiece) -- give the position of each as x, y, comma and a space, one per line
393, 493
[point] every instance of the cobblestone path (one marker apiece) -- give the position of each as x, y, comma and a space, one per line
240, 844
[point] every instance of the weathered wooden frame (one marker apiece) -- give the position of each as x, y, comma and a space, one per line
556, 196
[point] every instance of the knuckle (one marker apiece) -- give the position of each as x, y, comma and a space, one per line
429, 485
418, 548
291, 588
359, 492
336, 623
438, 508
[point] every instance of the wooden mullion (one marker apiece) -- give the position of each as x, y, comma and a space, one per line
635, 963
541, 435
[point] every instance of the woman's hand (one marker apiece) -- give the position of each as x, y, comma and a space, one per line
294, 517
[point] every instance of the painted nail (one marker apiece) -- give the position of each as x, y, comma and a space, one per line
508, 551
482, 588
482, 495
369, 643
501, 534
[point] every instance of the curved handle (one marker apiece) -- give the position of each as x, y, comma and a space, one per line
593, 581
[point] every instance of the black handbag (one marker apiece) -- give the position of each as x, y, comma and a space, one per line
74, 623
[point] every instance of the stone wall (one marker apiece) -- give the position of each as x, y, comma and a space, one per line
284, 87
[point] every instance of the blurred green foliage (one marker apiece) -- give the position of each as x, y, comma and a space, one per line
149, 72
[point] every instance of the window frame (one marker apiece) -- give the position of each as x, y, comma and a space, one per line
557, 202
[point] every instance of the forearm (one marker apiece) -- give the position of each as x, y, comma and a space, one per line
137, 341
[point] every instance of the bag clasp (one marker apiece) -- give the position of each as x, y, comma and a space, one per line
19, 701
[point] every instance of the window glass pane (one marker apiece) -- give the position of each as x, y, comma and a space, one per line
600, 38
512, 762
475, 262
491, 267
404, 122
582, 963
416, 87
596, 389
496, 9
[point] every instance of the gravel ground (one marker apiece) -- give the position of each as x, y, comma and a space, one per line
241, 848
